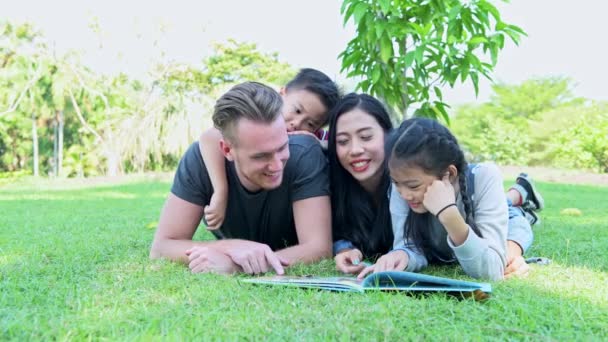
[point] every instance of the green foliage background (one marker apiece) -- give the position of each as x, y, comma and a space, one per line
85, 123
538, 122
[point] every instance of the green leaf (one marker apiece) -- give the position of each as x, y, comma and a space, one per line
439, 108
427, 28
464, 73
364, 85
494, 54
349, 11
419, 54
517, 29
386, 48
409, 58
438, 92
475, 80
488, 7
419, 29
376, 73
483, 18
360, 11
385, 6
477, 39
454, 12
379, 28
344, 4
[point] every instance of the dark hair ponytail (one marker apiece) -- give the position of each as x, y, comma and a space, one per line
427, 144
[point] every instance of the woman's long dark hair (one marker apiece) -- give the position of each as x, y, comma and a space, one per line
359, 216
425, 143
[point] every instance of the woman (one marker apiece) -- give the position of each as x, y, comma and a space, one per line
359, 125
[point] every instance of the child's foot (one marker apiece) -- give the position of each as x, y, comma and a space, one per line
533, 200
531, 216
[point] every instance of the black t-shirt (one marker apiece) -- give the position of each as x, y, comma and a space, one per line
265, 216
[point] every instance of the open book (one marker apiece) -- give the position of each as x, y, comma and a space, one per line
381, 281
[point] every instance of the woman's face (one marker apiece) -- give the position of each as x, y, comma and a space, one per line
360, 146
303, 110
411, 182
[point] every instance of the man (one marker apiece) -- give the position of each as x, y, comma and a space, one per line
278, 209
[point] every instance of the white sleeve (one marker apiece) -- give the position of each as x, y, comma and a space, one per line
485, 257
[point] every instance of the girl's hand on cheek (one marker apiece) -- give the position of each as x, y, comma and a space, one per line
439, 194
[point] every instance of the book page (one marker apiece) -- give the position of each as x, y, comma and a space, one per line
326, 283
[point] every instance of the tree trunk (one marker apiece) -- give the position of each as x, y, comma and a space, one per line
55, 139
404, 94
112, 164
35, 144
60, 143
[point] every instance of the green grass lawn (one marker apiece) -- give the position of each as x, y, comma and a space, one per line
74, 265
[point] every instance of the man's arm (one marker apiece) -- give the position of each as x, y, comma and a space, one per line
176, 227
312, 217
173, 240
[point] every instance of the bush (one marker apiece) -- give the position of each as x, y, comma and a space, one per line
585, 145
488, 137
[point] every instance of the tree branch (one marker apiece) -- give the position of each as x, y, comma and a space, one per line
81, 118
29, 84
89, 89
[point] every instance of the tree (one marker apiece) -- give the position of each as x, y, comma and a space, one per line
405, 50
75, 122
20, 50
180, 98
533, 96
235, 62
537, 122
585, 143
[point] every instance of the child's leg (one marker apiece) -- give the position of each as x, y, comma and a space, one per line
520, 228
519, 239
515, 197
524, 194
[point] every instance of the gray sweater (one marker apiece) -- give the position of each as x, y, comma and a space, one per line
480, 257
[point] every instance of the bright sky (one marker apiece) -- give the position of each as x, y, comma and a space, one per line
565, 37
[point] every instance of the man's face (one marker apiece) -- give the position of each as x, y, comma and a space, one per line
260, 152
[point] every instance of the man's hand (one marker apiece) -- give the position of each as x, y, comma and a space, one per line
207, 259
349, 261
254, 257
215, 211
392, 261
